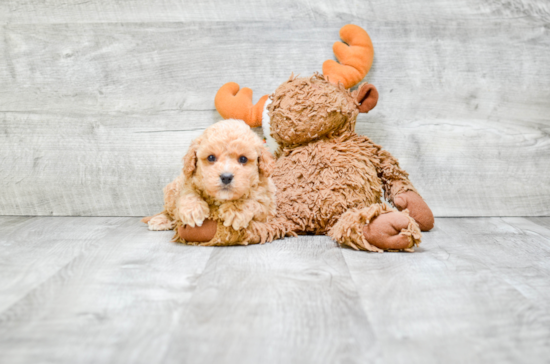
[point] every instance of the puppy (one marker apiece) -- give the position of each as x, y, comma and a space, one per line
225, 178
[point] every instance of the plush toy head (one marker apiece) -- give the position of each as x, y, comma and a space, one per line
304, 109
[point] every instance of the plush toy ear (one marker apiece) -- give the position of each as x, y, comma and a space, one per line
367, 96
266, 162
190, 159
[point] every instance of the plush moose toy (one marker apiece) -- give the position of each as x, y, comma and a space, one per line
329, 179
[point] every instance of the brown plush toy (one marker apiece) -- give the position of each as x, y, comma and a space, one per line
329, 179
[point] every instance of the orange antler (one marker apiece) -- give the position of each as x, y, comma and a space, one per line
355, 58
234, 104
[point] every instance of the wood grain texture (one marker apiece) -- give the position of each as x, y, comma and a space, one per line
27, 242
99, 11
543, 221
94, 289
91, 290
475, 291
95, 116
292, 301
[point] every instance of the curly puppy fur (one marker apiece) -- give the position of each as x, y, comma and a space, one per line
329, 179
227, 148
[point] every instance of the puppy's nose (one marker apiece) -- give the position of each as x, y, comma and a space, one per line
226, 178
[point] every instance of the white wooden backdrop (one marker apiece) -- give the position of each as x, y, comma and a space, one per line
99, 100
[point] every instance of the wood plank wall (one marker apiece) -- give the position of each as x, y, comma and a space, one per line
99, 100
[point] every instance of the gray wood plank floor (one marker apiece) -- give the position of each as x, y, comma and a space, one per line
106, 290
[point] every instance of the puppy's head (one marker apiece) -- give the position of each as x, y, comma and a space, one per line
228, 160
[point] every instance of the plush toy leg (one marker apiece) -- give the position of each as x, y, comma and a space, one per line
393, 231
376, 228
266, 232
159, 222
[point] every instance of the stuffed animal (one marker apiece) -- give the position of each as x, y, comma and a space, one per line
329, 179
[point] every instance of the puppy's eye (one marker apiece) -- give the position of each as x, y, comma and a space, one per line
211, 158
243, 159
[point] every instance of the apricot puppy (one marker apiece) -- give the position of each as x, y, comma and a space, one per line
225, 178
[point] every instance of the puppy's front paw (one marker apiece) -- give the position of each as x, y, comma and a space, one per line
194, 213
232, 215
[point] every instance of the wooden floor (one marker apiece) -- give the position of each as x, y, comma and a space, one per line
107, 290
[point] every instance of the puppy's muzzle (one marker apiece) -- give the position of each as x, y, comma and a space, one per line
226, 178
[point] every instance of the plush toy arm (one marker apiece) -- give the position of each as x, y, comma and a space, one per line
418, 209
401, 192
395, 180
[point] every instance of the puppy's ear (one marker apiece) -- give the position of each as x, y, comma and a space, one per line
190, 159
266, 162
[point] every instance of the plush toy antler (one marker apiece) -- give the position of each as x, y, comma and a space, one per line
234, 104
355, 57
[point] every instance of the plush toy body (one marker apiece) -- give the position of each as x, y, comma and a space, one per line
329, 179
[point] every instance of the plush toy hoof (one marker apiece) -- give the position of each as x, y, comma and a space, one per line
418, 209
199, 234
383, 231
